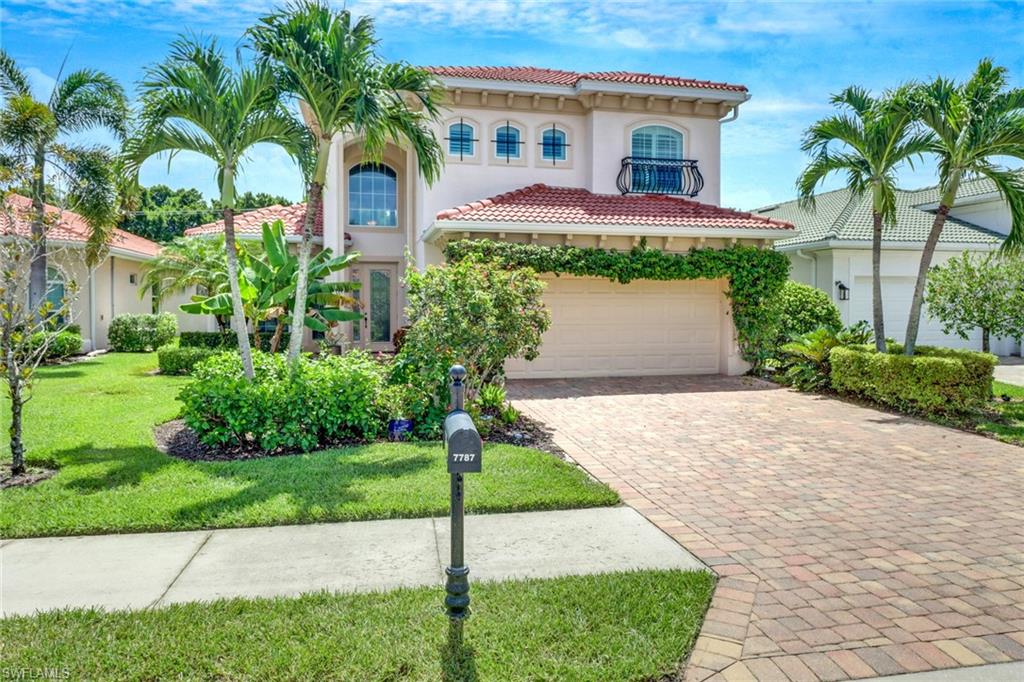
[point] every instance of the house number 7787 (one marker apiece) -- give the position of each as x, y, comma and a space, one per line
463, 457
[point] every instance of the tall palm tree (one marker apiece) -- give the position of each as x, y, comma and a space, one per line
194, 101
971, 125
329, 64
30, 134
867, 140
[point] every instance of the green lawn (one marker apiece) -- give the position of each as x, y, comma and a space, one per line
1011, 426
623, 626
94, 421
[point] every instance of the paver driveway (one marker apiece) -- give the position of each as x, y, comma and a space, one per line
850, 542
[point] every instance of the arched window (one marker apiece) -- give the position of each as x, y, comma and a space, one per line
372, 195
507, 140
658, 142
461, 141
553, 144
656, 151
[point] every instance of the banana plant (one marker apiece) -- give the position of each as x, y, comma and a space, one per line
267, 285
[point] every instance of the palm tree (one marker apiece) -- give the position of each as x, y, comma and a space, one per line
194, 101
184, 263
30, 130
330, 66
867, 140
971, 125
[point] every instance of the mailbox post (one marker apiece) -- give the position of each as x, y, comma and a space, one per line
465, 449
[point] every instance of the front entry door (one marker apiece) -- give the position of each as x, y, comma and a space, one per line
378, 303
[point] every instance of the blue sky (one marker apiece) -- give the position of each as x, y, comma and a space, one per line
790, 55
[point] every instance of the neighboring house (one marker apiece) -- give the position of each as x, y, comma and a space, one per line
832, 251
109, 288
556, 157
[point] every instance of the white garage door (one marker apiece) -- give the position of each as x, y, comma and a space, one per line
600, 328
896, 295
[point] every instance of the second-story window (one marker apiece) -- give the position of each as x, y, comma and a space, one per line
372, 195
657, 152
461, 141
507, 142
553, 145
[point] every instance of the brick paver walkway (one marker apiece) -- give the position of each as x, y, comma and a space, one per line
849, 542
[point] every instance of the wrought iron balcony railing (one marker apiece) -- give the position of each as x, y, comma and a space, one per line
645, 175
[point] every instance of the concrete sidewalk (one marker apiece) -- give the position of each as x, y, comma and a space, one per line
151, 569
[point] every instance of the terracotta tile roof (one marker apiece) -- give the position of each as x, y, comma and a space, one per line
530, 74
251, 222
574, 206
71, 227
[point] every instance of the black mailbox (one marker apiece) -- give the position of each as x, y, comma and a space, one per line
462, 440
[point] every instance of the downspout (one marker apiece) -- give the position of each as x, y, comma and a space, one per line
814, 265
734, 115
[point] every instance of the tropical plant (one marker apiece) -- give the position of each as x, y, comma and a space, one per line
31, 136
330, 65
869, 139
978, 292
972, 125
160, 213
267, 284
186, 263
807, 363
194, 101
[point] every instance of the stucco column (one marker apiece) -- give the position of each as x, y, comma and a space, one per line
334, 227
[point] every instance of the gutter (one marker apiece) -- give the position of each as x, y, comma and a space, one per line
440, 227
886, 246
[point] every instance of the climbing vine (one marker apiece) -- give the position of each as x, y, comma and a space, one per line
755, 275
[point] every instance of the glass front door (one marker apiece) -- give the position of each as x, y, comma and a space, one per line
378, 302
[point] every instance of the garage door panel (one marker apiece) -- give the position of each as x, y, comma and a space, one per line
602, 328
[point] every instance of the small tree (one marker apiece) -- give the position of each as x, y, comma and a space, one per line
474, 313
978, 292
27, 331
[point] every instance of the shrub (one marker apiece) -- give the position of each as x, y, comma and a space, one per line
475, 313
131, 333
312, 404
933, 381
226, 340
805, 359
62, 344
803, 309
177, 360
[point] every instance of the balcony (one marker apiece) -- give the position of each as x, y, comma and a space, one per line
643, 175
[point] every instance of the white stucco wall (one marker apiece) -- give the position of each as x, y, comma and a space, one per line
992, 214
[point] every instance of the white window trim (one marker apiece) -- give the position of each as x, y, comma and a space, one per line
476, 157
492, 147
539, 160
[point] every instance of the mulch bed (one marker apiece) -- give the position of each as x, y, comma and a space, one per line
31, 476
176, 439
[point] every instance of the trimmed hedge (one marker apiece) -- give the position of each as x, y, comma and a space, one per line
176, 360
303, 407
63, 344
130, 333
934, 381
227, 340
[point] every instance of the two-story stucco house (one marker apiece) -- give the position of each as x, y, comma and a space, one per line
555, 157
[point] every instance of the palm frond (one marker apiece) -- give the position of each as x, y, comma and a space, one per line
88, 98
13, 81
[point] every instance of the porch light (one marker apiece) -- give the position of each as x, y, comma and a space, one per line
844, 291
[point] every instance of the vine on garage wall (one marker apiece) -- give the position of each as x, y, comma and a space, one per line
755, 275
